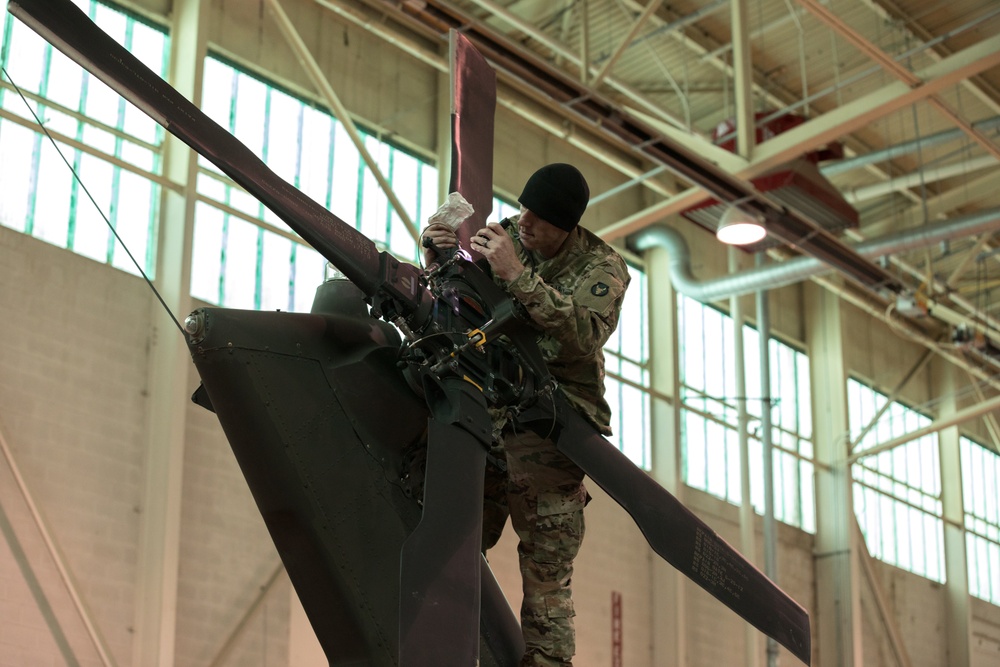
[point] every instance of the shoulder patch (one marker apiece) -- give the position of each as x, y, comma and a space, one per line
600, 290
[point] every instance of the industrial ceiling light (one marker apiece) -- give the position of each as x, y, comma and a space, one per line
737, 227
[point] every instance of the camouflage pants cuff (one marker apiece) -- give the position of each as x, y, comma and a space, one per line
549, 634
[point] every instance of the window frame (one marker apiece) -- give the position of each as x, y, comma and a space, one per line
712, 428
115, 175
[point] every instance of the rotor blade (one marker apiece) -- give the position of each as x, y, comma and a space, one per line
70, 30
473, 100
673, 531
440, 561
499, 627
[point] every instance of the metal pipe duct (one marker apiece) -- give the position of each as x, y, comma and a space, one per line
800, 268
912, 146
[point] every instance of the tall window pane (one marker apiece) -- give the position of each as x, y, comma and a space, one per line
38, 193
710, 439
897, 493
259, 262
627, 364
981, 496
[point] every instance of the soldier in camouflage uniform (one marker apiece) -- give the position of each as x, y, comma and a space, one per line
572, 284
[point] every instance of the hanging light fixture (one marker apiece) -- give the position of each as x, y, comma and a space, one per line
737, 227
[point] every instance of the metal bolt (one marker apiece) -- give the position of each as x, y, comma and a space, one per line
194, 324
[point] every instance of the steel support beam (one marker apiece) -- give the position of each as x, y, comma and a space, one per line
746, 140
884, 610
889, 12
958, 606
877, 310
905, 148
748, 516
642, 107
573, 59
169, 363
625, 41
943, 422
762, 304
838, 593
669, 601
893, 395
584, 42
928, 174
990, 420
746, 129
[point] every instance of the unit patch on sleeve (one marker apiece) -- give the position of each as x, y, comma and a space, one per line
599, 289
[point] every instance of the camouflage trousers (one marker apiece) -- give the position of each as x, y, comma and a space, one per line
543, 493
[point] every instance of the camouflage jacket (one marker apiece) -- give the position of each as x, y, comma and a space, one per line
575, 299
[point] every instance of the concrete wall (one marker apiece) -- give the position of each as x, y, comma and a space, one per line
73, 380
72, 385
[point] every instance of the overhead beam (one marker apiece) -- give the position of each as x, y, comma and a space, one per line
889, 11
877, 310
547, 83
820, 131
924, 358
958, 417
857, 114
765, 93
637, 103
625, 41
928, 174
968, 258
889, 64
937, 208
573, 59
990, 420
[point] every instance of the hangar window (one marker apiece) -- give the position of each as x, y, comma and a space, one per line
897, 492
981, 497
627, 383
244, 256
711, 460
114, 147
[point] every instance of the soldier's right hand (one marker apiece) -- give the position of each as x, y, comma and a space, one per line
441, 236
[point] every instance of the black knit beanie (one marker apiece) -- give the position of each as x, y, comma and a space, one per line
557, 193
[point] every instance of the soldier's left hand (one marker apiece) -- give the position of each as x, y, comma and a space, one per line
493, 243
